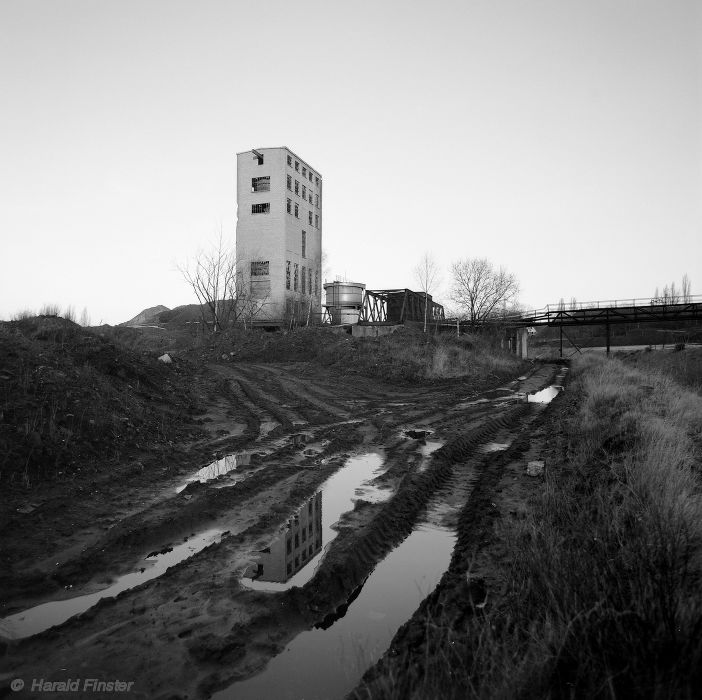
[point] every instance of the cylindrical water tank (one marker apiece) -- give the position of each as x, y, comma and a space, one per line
344, 293
344, 301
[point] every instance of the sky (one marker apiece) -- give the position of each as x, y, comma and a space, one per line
560, 139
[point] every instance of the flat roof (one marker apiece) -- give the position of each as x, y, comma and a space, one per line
278, 148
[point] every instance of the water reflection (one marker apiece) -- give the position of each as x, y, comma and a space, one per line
293, 549
339, 492
545, 395
218, 468
41, 617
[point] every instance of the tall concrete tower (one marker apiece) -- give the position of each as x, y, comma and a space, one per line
279, 234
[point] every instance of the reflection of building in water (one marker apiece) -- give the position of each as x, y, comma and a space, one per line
294, 548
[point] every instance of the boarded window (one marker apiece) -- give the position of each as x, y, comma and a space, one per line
259, 269
261, 208
260, 288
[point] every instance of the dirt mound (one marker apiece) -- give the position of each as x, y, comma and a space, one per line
150, 315
70, 396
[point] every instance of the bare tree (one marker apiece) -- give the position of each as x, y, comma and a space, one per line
686, 289
220, 287
478, 288
85, 317
427, 274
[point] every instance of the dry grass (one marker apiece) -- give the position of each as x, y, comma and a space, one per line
601, 597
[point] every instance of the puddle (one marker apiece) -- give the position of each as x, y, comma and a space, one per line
217, 469
293, 556
426, 450
41, 617
327, 662
418, 434
545, 395
489, 447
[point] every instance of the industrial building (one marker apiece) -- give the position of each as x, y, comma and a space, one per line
279, 235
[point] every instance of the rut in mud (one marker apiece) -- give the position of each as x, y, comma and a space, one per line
250, 585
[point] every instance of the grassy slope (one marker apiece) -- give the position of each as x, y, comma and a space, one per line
602, 598
404, 356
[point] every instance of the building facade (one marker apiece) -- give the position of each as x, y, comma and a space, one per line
279, 235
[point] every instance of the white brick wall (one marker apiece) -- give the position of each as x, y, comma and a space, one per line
277, 236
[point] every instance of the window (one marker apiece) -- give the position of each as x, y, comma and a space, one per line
295, 279
310, 528
316, 197
287, 274
304, 192
259, 269
258, 157
289, 568
304, 532
316, 181
297, 540
297, 187
309, 288
297, 167
309, 217
261, 208
316, 220
304, 171
297, 562
310, 197
261, 184
290, 161
297, 211
288, 543
316, 282
309, 510
310, 176
289, 206
304, 243
303, 291
290, 182
311, 552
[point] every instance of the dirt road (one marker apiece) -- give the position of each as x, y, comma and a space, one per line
223, 515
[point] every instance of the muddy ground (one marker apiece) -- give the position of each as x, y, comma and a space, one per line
196, 628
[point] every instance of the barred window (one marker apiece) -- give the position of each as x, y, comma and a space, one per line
261, 184
289, 206
290, 161
297, 211
304, 243
261, 208
297, 167
290, 182
258, 268
287, 274
297, 187
309, 217
316, 181
295, 277
303, 281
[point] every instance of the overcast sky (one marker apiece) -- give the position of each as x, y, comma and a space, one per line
561, 139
